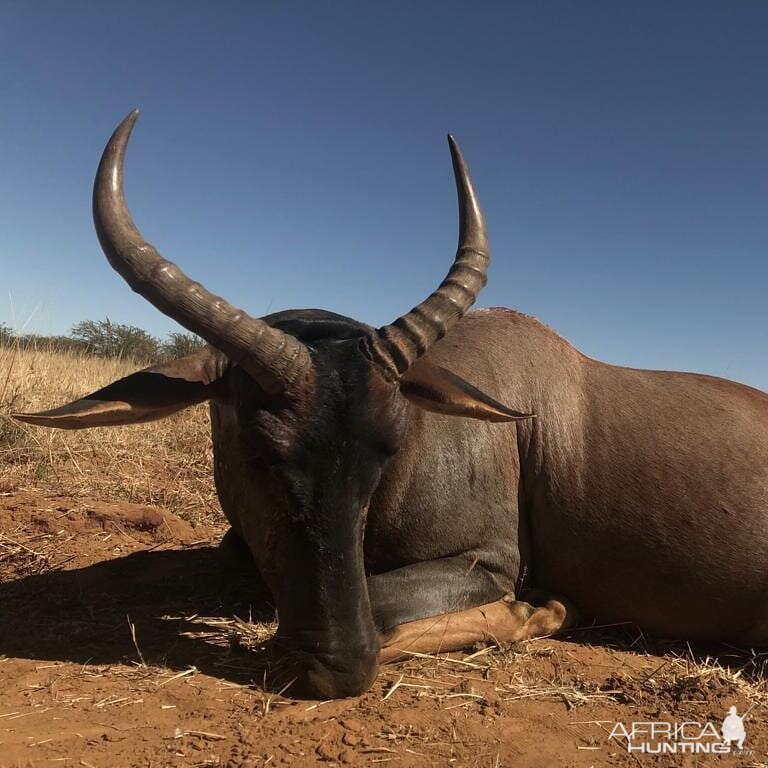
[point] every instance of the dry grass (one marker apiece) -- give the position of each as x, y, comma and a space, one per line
167, 463
24, 552
516, 673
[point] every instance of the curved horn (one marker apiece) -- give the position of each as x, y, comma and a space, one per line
394, 348
274, 359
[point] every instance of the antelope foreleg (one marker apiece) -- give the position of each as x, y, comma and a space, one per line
504, 621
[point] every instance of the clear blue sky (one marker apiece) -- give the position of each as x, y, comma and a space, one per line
293, 155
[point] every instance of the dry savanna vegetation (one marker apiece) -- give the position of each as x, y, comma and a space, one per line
126, 639
164, 463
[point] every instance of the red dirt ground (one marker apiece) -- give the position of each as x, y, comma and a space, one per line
118, 647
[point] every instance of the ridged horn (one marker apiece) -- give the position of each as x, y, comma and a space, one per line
394, 348
274, 359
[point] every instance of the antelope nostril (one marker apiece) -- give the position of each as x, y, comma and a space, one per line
325, 676
321, 681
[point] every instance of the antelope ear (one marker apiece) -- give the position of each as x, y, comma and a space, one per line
144, 396
436, 389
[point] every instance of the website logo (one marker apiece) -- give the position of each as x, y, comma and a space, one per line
685, 737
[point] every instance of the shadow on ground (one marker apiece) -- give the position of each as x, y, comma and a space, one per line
82, 615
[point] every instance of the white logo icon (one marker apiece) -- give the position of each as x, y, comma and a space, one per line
733, 729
